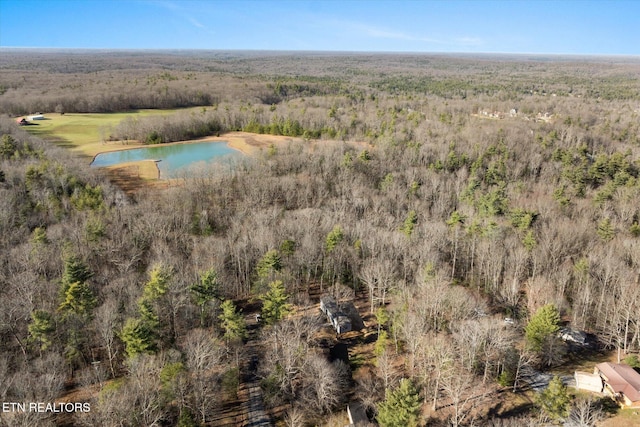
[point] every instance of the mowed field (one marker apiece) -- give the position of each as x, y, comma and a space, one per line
87, 134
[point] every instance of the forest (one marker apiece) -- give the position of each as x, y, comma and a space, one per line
470, 207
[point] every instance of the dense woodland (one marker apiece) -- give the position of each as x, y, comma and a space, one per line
446, 192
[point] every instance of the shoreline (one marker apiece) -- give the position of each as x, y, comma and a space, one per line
247, 143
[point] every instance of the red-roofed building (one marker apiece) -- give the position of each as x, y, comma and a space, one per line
621, 381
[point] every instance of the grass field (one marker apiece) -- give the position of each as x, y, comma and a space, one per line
85, 133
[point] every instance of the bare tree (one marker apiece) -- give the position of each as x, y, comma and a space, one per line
324, 384
105, 324
462, 390
203, 356
379, 277
585, 412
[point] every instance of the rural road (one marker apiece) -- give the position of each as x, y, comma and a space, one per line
256, 415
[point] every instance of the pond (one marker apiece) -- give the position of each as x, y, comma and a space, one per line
175, 160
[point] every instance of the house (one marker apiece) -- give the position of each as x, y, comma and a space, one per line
36, 117
340, 321
621, 381
342, 324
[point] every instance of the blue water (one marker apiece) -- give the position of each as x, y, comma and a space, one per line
176, 160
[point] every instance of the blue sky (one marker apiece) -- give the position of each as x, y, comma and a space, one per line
511, 26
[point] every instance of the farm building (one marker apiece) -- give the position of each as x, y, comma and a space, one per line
340, 321
588, 382
36, 117
621, 381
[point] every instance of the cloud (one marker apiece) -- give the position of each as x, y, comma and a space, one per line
195, 22
177, 9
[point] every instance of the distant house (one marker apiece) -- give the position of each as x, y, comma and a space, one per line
621, 381
36, 117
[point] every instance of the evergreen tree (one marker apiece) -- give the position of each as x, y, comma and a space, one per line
409, 223
138, 337
158, 283
542, 326
75, 271
270, 263
401, 406
41, 328
274, 303
605, 230
206, 290
78, 299
334, 237
233, 322
8, 146
554, 400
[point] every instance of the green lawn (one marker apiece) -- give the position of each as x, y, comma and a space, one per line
84, 133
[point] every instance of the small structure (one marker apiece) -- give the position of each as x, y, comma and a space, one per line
36, 117
340, 321
621, 381
588, 382
573, 336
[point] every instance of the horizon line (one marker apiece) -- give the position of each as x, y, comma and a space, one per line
290, 51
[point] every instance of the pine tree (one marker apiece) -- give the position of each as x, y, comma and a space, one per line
334, 237
233, 322
158, 283
401, 407
554, 400
605, 230
78, 299
409, 223
206, 290
542, 326
75, 270
41, 328
270, 263
274, 303
138, 337
8, 146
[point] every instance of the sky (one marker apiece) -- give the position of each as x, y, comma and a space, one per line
604, 27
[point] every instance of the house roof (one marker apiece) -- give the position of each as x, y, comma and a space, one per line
622, 379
